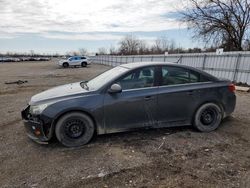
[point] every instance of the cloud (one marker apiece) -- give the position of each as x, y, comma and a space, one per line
83, 36
92, 36
84, 16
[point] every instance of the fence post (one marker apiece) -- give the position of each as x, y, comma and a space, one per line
204, 62
152, 58
164, 58
236, 69
141, 58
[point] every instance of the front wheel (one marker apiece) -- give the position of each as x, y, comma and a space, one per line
74, 129
84, 64
208, 117
65, 65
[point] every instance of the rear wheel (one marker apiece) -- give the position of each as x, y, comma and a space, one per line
65, 65
84, 64
74, 129
208, 117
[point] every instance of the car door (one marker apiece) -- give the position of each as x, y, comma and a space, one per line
178, 96
73, 61
79, 61
136, 105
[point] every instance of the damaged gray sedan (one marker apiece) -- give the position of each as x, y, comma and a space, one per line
127, 97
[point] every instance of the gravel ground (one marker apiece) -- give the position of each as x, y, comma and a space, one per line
176, 157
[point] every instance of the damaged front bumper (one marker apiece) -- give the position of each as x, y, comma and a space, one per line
38, 127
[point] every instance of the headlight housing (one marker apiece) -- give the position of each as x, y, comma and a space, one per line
38, 109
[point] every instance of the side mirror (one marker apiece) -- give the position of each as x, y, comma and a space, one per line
115, 88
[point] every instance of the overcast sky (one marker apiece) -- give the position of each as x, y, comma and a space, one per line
67, 25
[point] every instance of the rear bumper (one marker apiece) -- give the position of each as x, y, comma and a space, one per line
37, 128
230, 104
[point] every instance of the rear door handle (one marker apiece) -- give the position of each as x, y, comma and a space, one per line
191, 92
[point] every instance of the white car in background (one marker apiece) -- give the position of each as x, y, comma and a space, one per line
75, 61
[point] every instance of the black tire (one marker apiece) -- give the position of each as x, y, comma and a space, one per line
65, 65
74, 129
208, 117
84, 64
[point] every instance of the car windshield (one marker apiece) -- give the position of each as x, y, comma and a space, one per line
97, 82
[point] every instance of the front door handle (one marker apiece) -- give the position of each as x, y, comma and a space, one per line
148, 98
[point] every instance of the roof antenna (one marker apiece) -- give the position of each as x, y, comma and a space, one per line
178, 60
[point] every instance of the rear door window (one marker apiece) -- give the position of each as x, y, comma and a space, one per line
177, 75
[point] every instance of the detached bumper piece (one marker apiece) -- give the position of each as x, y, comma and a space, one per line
35, 127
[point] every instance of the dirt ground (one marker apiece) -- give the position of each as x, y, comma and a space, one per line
176, 157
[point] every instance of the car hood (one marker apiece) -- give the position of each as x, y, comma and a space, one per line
59, 92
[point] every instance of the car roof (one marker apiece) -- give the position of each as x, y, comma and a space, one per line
143, 64
77, 56
147, 63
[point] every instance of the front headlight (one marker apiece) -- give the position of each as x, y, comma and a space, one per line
38, 109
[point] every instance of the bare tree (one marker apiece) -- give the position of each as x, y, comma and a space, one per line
172, 45
112, 50
161, 45
32, 53
129, 45
83, 51
224, 22
142, 48
102, 51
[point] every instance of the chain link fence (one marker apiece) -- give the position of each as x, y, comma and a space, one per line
234, 66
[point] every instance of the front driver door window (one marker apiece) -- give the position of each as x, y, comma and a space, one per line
141, 78
135, 106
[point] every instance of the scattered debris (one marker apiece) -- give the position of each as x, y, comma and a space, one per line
101, 174
18, 82
162, 143
241, 88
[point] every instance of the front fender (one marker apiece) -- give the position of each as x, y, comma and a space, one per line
91, 105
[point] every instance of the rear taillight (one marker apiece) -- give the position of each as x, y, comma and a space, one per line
231, 87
